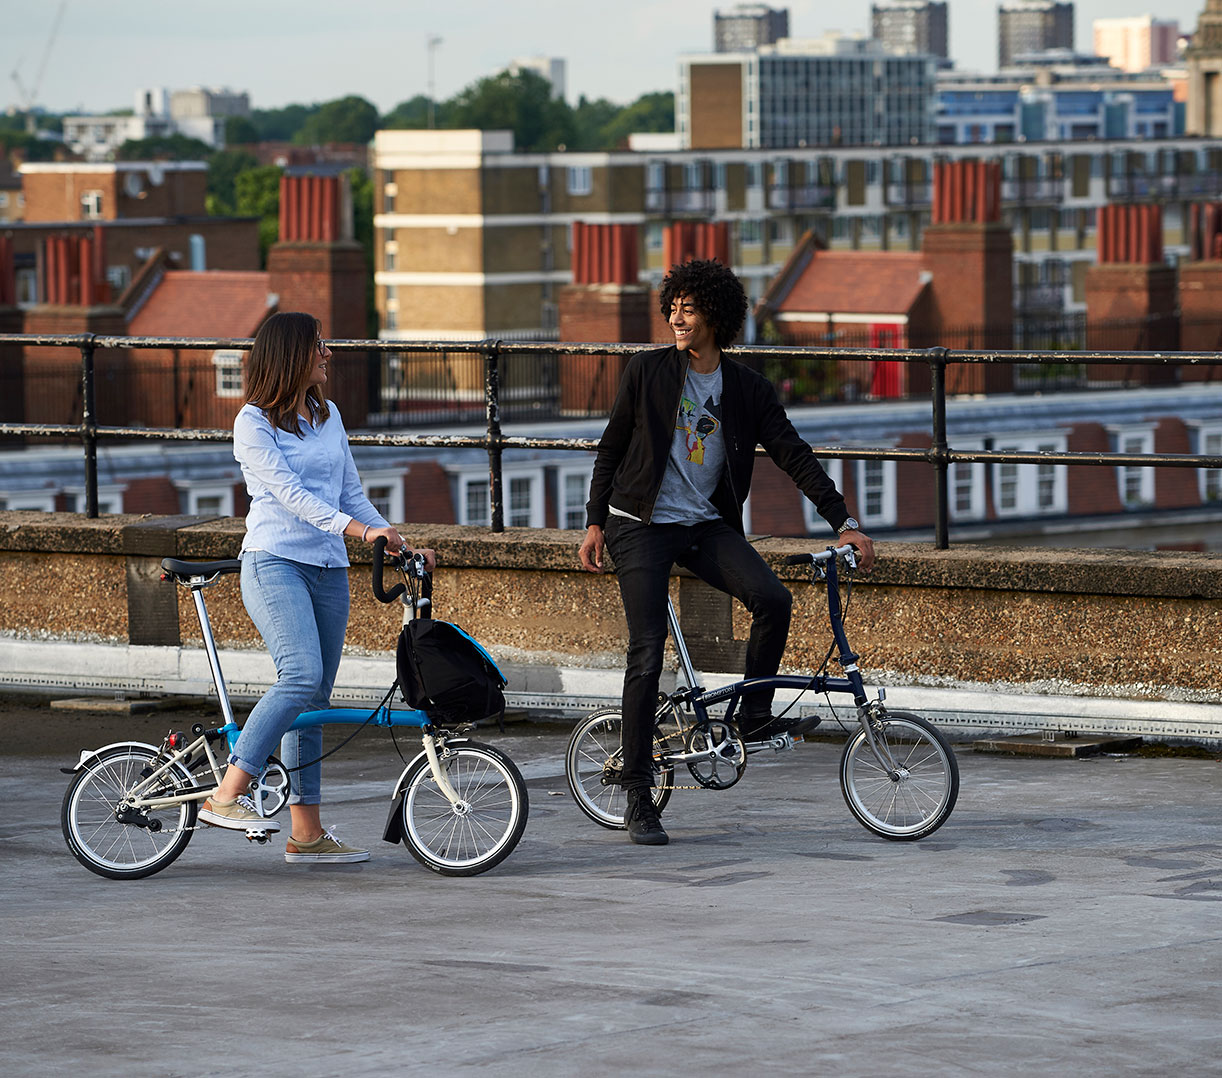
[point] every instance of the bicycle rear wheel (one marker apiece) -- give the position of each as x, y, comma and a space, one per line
914, 800
117, 841
592, 766
483, 828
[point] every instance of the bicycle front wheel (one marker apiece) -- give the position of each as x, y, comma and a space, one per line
916, 797
119, 841
480, 831
593, 762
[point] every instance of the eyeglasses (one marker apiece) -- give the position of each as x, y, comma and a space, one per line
321, 345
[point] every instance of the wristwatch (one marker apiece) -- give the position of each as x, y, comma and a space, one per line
849, 525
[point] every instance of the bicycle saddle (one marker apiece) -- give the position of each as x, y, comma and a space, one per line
177, 567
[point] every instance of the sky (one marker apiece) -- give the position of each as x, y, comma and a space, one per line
285, 52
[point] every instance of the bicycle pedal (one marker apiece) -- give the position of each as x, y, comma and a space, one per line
258, 835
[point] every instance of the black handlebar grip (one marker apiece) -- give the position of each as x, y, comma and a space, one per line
379, 554
799, 559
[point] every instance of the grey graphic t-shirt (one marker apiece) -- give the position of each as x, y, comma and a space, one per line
697, 454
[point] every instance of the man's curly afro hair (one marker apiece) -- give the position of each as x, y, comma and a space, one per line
714, 291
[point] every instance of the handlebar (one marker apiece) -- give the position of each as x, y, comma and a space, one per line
413, 564
823, 555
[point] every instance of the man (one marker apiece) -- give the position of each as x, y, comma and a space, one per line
671, 475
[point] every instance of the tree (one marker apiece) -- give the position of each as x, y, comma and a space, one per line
240, 130
347, 119
280, 125
649, 112
164, 148
521, 103
224, 167
414, 112
590, 118
257, 194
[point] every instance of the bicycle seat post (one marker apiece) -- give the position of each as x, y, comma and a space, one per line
214, 659
676, 634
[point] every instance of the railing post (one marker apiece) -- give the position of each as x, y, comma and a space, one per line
89, 427
938, 450
492, 411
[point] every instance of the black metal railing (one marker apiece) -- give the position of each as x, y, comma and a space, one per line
493, 440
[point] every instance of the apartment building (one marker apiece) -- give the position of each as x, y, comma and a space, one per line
473, 238
1203, 59
833, 91
1026, 26
1138, 43
748, 26
909, 27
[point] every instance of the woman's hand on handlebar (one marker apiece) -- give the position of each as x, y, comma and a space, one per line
864, 545
396, 544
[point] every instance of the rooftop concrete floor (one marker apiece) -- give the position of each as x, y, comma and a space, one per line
1065, 921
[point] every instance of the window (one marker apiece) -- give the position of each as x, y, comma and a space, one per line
1030, 489
38, 501
214, 499
228, 364
1136, 485
967, 486
815, 524
475, 505
91, 205
523, 499
750, 233
110, 499
654, 236
119, 277
389, 192
390, 259
655, 176
755, 174
876, 493
573, 485
3, 200
580, 180
385, 492
1209, 443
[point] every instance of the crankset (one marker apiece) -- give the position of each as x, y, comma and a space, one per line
716, 755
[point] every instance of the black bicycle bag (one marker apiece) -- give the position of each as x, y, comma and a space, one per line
445, 673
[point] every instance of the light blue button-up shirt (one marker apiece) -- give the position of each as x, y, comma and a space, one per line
303, 491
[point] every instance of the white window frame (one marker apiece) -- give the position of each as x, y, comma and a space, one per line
563, 505
813, 522
1209, 444
30, 501
580, 180
971, 474
110, 498
882, 511
91, 205
227, 361
510, 478
392, 478
1135, 486
192, 493
1030, 479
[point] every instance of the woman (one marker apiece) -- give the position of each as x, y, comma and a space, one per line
305, 496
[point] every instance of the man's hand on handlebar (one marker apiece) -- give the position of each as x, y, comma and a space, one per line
864, 545
591, 552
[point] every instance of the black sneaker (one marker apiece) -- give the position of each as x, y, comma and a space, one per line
642, 819
766, 727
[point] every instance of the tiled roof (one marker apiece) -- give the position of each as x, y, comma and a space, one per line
212, 303
855, 282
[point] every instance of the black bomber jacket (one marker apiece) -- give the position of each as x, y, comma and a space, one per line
633, 451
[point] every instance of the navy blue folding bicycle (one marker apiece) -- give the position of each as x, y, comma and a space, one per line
898, 772
459, 806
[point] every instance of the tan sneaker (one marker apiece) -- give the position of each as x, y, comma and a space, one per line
236, 815
326, 849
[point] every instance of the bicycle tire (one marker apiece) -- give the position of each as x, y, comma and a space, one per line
102, 842
920, 798
595, 746
483, 830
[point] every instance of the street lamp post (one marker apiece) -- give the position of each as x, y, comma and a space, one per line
433, 42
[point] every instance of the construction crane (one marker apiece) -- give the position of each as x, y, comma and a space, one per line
28, 96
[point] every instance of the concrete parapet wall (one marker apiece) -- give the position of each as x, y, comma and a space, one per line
1096, 621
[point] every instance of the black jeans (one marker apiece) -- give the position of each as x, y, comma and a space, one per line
715, 552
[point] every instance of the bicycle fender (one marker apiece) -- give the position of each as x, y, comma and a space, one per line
393, 831
89, 754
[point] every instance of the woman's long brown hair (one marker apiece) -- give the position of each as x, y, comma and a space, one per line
279, 363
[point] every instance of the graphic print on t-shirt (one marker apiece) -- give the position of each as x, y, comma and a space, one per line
697, 423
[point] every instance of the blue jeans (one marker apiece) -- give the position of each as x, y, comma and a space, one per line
720, 556
301, 611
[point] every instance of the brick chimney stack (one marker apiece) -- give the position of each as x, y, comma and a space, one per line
605, 302
969, 253
1130, 292
317, 266
1200, 288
